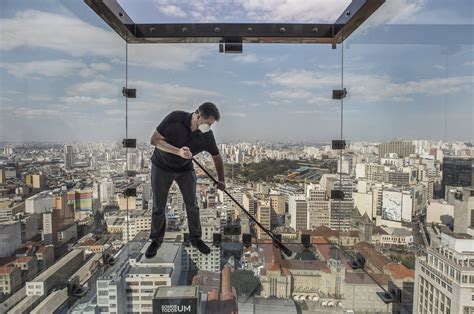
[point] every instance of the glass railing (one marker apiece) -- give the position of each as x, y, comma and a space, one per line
359, 215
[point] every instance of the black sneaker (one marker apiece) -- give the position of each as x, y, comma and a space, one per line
152, 249
201, 246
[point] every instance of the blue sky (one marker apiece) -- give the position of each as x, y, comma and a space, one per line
62, 70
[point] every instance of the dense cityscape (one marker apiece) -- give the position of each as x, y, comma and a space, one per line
75, 220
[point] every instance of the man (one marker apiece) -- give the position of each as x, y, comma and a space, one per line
179, 137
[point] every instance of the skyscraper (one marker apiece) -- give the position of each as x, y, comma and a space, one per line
445, 276
457, 171
264, 217
464, 211
298, 209
318, 209
68, 157
401, 148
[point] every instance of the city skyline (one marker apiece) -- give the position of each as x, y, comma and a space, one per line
68, 89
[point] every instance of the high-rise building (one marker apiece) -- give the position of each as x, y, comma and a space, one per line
68, 157
318, 209
35, 181
444, 278
59, 219
107, 192
10, 279
401, 148
193, 259
10, 233
133, 161
374, 172
39, 203
464, 211
340, 214
457, 172
278, 203
298, 209
138, 221
249, 202
81, 199
264, 217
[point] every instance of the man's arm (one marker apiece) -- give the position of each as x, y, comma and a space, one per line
159, 141
219, 164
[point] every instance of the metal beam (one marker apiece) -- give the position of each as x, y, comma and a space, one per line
293, 33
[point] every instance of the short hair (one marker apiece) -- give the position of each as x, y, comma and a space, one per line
208, 109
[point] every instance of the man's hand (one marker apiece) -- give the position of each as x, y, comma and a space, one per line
185, 153
221, 185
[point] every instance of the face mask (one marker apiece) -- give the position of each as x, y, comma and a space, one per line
204, 127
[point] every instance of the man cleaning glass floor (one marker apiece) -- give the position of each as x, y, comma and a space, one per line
180, 136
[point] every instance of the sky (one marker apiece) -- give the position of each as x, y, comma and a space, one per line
408, 71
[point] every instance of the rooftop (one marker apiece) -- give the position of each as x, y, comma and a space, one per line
399, 271
176, 292
361, 278
151, 270
167, 254
57, 266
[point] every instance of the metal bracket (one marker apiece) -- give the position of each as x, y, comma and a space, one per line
130, 192
232, 230
339, 93
129, 92
338, 144
357, 262
306, 240
230, 46
129, 143
216, 239
337, 195
393, 295
247, 239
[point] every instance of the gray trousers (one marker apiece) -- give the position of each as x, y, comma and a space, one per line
161, 181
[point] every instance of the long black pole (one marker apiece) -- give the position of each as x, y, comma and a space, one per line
276, 242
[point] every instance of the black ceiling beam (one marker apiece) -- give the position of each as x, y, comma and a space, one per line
293, 33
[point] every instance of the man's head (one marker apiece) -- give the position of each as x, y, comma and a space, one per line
207, 114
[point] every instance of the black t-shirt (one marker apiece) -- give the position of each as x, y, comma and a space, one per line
176, 128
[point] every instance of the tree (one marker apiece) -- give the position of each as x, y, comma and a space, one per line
245, 282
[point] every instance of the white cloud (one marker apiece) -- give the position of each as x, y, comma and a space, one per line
296, 94
45, 68
77, 38
39, 98
157, 95
252, 58
88, 101
97, 88
100, 66
308, 11
396, 11
246, 58
172, 10
55, 68
167, 56
303, 84
30, 113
